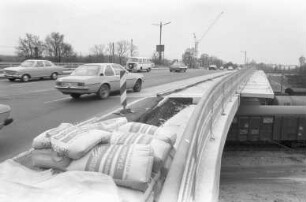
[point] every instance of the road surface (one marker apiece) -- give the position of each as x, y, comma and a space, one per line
37, 106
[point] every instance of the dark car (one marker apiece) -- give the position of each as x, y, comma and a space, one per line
178, 66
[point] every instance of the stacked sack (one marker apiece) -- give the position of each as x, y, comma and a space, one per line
55, 148
128, 152
133, 152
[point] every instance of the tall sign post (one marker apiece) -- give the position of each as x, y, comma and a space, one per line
160, 47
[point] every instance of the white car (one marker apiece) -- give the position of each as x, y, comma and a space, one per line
98, 78
30, 69
138, 64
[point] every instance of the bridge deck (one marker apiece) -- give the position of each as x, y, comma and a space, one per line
258, 86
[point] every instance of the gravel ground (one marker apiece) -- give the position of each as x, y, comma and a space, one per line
276, 176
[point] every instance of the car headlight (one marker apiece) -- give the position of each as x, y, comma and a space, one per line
58, 83
81, 84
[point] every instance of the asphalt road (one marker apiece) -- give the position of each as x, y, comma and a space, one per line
37, 106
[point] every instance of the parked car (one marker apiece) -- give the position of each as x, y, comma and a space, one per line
30, 69
98, 78
137, 64
5, 119
178, 66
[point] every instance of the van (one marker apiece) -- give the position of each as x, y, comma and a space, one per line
138, 64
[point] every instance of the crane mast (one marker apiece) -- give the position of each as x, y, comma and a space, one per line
196, 42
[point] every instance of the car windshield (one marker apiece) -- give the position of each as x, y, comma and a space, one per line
133, 60
28, 63
86, 70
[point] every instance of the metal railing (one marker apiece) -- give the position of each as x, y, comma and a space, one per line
180, 184
64, 64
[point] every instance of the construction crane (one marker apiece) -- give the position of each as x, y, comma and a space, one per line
196, 42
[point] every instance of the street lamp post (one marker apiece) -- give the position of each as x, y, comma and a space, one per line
160, 38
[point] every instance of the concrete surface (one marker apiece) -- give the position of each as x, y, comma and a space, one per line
258, 86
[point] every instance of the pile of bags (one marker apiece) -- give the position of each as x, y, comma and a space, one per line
129, 152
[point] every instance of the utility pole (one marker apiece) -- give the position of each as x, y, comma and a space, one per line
245, 57
132, 48
160, 48
113, 58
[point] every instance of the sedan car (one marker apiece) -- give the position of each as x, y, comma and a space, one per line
5, 111
98, 78
178, 66
30, 69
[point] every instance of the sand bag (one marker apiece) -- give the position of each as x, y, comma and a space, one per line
76, 142
164, 134
42, 141
74, 186
160, 148
129, 165
47, 158
110, 124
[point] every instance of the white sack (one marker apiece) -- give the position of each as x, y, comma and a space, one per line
74, 186
42, 141
129, 165
47, 158
164, 134
76, 142
161, 149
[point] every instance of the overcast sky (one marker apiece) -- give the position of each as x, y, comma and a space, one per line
271, 31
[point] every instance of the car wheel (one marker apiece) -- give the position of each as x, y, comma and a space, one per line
54, 76
137, 86
11, 79
149, 69
185, 70
75, 96
25, 78
103, 92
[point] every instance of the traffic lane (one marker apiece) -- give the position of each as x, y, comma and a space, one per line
35, 112
10, 89
37, 117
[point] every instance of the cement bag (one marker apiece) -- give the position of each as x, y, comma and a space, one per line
13, 171
110, 124
76, 142
129, 165
42, 141
160, 148
164, 134
47, 158
74, 186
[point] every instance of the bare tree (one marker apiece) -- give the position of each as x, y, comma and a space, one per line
122, 48
111, 51
56, 47
98, 50
30, 46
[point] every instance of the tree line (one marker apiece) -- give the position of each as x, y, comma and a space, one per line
56, 49
205, 60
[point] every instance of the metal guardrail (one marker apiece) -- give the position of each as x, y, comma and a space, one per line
66, 65
180, 184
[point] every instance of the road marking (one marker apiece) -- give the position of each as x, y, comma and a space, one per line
64, 98
114, 111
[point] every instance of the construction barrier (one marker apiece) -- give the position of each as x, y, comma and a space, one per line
123, 89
